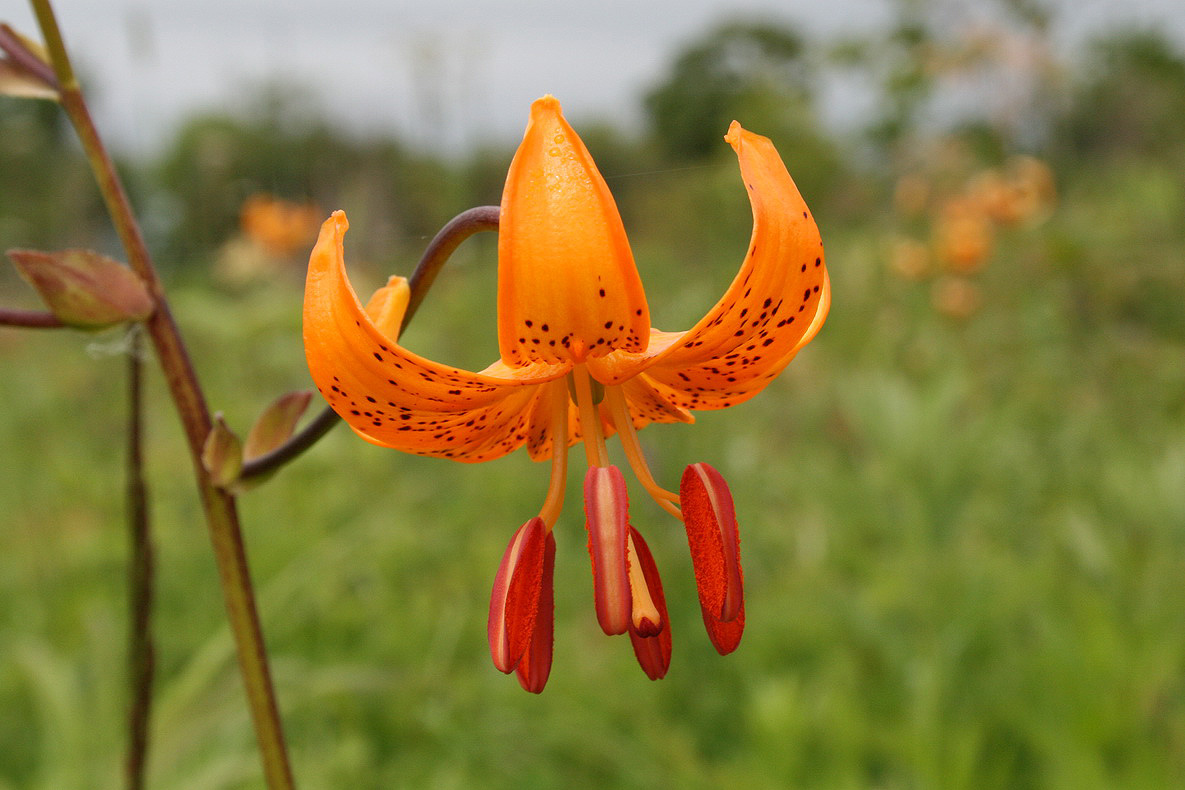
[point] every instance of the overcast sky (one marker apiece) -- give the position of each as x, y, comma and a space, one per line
443, 73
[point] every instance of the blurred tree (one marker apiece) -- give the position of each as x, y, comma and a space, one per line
936, 68
46, 195
1132, 102
287, 148
739, 66
756, 72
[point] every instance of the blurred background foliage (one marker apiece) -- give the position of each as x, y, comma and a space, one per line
963, 506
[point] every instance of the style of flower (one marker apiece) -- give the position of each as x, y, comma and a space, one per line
579, 363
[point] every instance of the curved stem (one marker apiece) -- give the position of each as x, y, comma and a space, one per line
29, 319
221, 513
291, 449
443, 245
436, 254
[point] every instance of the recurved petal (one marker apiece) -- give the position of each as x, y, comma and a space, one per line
775, 304
649, 403
393, 397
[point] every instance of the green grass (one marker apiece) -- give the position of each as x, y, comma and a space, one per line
964, 545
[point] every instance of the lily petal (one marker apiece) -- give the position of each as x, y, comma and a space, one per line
567, 284
393, 397
388, 305
774, 305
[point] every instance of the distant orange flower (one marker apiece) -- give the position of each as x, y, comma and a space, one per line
911, 194
963, 235
280, 226
956, 297
580, 362
909, 258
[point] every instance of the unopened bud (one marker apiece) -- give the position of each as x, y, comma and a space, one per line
84, 289
276, 424
222, 455
25, 72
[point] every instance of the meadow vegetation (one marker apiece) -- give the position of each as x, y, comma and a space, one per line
962, 507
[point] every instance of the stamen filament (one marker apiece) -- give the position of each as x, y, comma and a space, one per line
557, 393
618, 409
590, 420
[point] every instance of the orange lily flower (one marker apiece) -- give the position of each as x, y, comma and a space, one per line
580, 362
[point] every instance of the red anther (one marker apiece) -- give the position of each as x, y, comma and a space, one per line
535, 665
653, 650
725, 636
515, 597
715, 545
606, 508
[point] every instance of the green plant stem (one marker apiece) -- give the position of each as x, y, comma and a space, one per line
141, 573
29, 319
219, 506
438, 251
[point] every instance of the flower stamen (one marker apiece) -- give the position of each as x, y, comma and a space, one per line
590, 420
606, 508
652, 651
557, 393
628, 435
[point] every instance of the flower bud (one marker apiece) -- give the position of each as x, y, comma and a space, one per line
25, 73
276, 424
84, 289
222, 455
